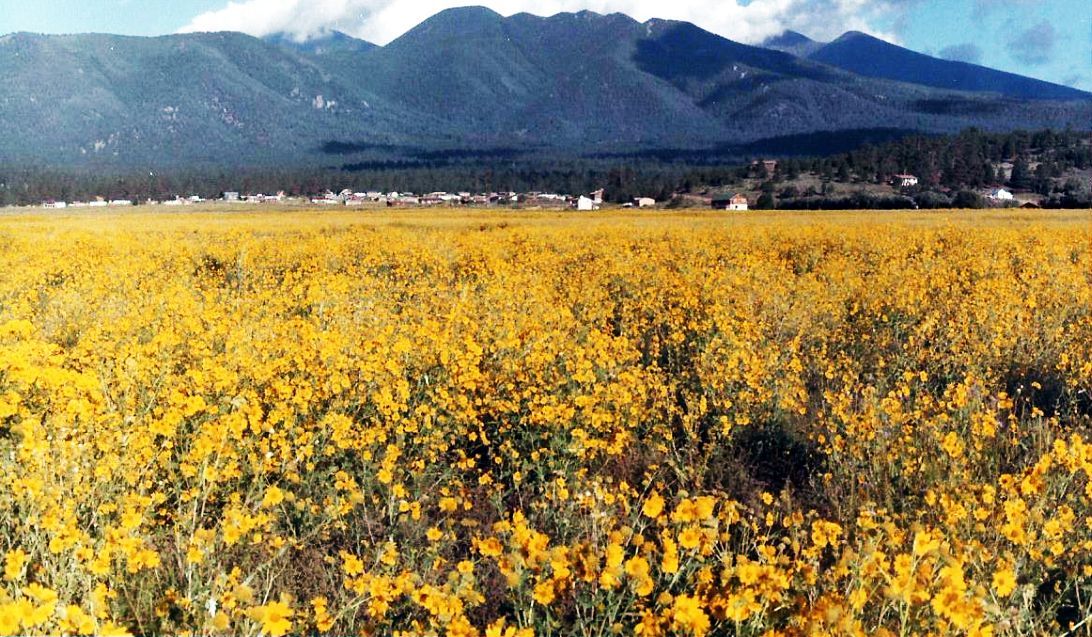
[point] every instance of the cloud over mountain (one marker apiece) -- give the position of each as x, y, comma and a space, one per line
1035, 45
967, 52
381, 21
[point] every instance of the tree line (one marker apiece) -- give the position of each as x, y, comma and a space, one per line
948, 167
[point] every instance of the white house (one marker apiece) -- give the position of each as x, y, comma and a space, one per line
586, 204
645, 202
1001, 194
737, 202
906, 181
55, 205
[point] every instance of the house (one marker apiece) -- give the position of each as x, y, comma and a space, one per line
55, 205
905, 181
231, 196
121, 202
737, 202
1000, 194
586, 204
644, 202
597, 197
768, 165
1031, 205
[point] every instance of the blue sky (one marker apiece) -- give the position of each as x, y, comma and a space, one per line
1049, 39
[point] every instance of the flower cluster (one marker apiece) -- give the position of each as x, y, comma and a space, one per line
507, 426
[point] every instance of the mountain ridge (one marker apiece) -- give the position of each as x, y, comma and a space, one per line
864, 54
466, 78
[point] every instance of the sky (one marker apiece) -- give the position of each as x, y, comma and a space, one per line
1048, 39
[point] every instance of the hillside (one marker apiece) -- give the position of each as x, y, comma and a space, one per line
465, 81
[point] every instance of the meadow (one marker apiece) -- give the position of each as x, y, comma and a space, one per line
506, 425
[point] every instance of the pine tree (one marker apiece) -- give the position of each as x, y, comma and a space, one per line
1021, 174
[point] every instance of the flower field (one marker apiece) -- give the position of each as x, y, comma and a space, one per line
533, 424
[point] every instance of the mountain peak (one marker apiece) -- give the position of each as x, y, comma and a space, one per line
793, 42
455, 22
851, 36
469, 14
788, 36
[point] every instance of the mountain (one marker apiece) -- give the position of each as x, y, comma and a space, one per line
865, 55
329, 42
792, 42
202, 99
466, 82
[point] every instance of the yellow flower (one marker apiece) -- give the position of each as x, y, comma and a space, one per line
690, 538
500, 629
110, 629
351, 564
275, 618
13, 564
10, 619
221, 622
1004, 581
490, 547
687, 616
75, 621
434, 534
654, 506
273, 496
544, 592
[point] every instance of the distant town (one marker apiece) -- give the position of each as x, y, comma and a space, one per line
738, 201
349, 198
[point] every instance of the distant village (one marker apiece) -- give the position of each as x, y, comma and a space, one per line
757, 196
348, 198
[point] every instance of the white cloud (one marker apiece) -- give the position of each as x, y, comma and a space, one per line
381, 21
